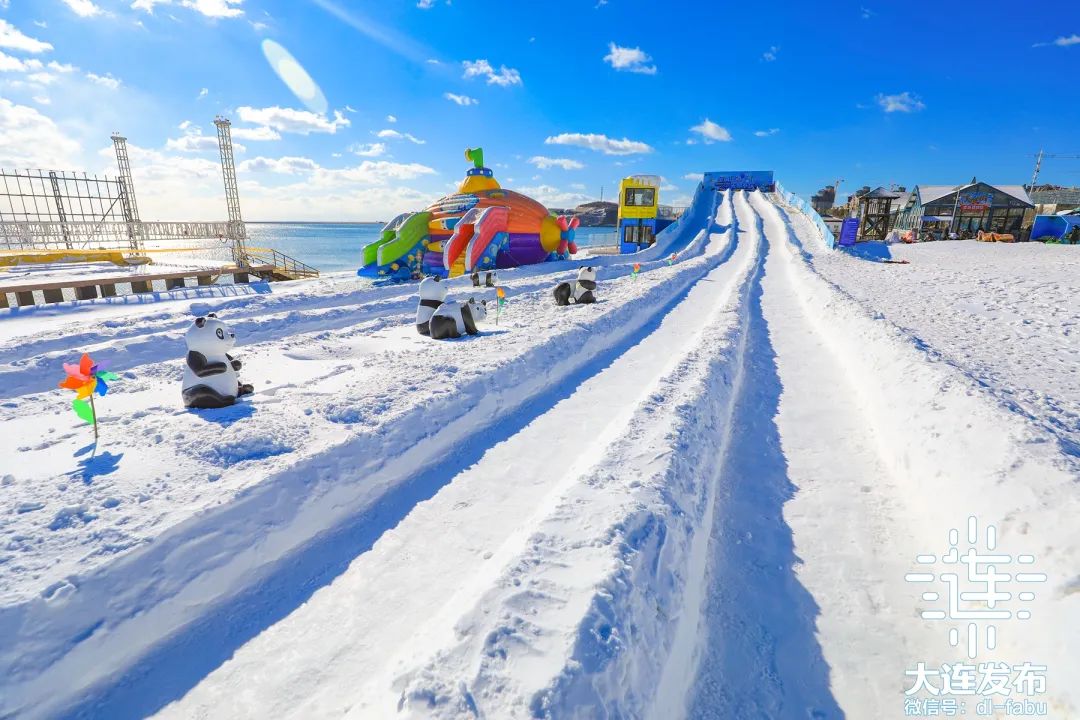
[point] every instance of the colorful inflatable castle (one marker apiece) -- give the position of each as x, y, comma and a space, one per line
480, 227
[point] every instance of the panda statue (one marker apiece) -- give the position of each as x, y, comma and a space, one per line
454, 319
579, 292
432, 295
488, 277
210, 379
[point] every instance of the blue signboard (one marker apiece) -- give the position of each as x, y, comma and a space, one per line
740, 180
849, 231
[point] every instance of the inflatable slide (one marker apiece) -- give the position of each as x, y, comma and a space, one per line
481, 226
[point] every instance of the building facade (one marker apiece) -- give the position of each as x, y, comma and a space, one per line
937, 212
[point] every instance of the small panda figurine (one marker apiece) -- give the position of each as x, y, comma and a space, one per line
454, 319
210, 379
432, 295
579, 292
488, 276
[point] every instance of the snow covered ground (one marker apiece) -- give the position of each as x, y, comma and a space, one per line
698, 497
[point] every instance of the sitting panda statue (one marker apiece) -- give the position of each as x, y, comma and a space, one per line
432, 295
210, 379
579, 292
454, 319
488, 277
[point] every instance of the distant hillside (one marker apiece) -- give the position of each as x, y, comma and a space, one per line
593, 214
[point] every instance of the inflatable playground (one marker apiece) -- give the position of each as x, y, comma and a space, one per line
480, 227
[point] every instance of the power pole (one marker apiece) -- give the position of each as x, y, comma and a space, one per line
127, 191
237, 229
1038, 166
1038, 163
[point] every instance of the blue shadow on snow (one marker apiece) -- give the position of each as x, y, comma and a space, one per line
762, 658
869, 250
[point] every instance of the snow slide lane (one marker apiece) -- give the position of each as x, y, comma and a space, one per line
437, 628
111, 644
875, 452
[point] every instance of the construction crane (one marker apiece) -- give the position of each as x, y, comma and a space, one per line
1038, 163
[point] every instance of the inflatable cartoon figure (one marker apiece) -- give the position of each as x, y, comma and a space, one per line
579, 292
432, 295
454, 319
210, 379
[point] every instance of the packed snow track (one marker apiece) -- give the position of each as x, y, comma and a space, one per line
696, 498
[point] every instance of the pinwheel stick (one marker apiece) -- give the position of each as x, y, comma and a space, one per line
93, 411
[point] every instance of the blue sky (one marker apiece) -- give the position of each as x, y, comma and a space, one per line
564, 96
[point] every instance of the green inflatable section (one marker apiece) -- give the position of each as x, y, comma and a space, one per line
408, 235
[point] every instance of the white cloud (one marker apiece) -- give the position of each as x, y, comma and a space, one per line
904, 102
193, 142
505, 76
368, 149
1062, 41
372, 172
289, 165
545, 162
770, 54
9, 63
257, 134
13, 38
42, 99
203, 92
693, 176
291, 120
209, 8
554, 197
83, 8
389, 134
766, 133
41, 78
461, 99
710, 132
600, 143
30, 139
106, 80
390, 119
629, 59
62, 67
425, 4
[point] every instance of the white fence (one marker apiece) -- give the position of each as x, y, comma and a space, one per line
804, 207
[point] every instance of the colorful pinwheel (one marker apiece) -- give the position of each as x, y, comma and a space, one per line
637, 269
672, 259
85, 379
501, 295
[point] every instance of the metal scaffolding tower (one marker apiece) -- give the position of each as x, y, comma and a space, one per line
127, 191
237, 230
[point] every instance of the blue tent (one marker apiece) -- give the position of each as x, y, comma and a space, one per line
1054, 225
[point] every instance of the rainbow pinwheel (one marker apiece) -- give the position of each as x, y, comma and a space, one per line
85, 379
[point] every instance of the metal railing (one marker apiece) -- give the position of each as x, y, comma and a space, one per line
283, 264
58, 235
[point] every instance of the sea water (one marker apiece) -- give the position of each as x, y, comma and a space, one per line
332, 247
